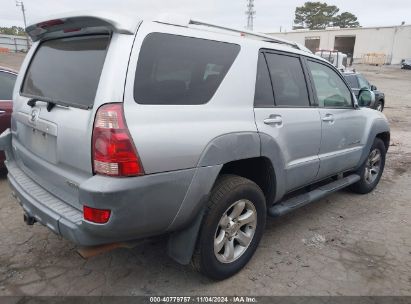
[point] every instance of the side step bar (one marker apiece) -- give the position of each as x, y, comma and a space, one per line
309, 197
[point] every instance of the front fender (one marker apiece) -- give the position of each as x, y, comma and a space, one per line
378, 126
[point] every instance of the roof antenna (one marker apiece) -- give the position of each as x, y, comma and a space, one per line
250, 15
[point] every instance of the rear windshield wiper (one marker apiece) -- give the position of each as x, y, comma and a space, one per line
50, 106
32, 102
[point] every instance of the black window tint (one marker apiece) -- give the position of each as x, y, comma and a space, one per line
263, 90
67, 70
181, 70
290, 88
330, 88
352, 81
7, 81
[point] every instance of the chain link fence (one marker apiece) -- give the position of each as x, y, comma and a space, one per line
14, 44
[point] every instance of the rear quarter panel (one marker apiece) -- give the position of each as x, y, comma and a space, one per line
173, 137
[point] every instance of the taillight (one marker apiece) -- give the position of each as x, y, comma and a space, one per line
114, 153
99, 216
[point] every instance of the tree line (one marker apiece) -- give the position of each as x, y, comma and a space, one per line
318, 15
13, 30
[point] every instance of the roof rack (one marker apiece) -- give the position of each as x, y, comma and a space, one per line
245, 33
180, 20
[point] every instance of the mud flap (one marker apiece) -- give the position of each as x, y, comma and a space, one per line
181, 244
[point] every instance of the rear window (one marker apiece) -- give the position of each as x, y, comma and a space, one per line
177, 70
67, 71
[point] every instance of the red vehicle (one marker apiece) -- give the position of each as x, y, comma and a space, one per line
7, 80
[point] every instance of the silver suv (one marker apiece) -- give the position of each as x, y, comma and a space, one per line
124, 130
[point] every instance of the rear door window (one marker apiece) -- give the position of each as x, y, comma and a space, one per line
67, 71
287, 76
7, 81
178, 70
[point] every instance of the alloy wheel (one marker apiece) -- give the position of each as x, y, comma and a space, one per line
373, 166
235, 231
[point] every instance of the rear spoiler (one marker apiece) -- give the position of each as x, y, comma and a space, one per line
83, 23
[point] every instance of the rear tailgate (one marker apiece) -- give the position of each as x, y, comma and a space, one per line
77, 74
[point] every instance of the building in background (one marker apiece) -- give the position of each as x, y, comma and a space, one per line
389, 44
13, 44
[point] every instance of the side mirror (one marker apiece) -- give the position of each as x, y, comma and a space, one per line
373, 88
366, 98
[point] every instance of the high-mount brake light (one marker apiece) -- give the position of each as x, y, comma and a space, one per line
71, 30
114, 153
50, 23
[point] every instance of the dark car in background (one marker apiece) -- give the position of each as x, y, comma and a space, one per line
7, 80
357, 82
406, 64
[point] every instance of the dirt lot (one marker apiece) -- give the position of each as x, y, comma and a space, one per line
346, 244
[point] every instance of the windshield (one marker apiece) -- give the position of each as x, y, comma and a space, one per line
67, 71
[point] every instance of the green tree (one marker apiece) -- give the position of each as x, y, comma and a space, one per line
314, 15
14, 30
345, 20
318, 15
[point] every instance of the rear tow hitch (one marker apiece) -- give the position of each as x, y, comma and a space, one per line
29, 220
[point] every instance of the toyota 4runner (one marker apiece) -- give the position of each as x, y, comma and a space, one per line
124, 130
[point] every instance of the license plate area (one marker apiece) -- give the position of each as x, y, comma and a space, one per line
38, 142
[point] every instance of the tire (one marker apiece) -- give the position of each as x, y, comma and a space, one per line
368, 180
229, 191
379, 106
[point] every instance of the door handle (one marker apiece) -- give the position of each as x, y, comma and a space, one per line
2, 112
328, 118
273, 120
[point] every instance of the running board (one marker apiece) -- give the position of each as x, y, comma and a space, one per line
314, 195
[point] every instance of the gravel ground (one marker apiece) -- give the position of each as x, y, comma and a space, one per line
345, 244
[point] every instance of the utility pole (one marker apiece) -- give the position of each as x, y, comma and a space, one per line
23, 10
250, 14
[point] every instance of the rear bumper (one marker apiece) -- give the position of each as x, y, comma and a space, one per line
140, 207
135, 212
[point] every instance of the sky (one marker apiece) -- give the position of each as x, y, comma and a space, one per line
271, 15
